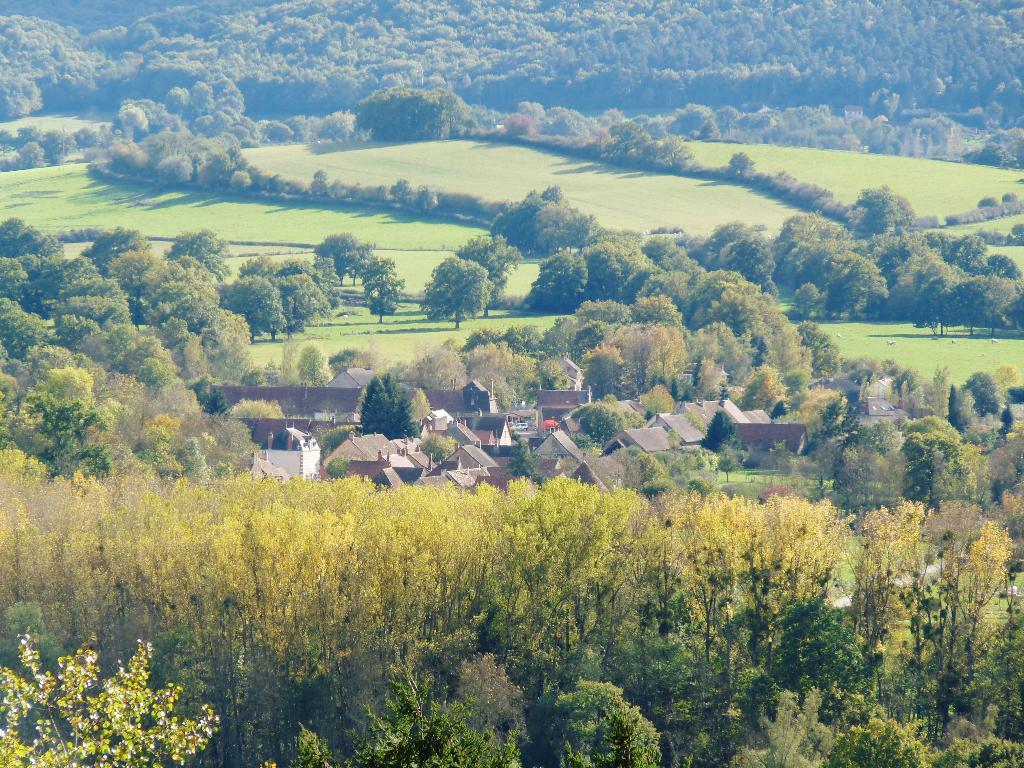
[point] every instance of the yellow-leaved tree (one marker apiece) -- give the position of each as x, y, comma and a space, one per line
72, 718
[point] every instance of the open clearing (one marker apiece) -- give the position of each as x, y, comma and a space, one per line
402, 337
915, 347
619, 199
63, 198
934, 187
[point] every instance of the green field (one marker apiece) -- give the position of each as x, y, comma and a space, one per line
934, 187
62, 198
915, 347
402, 337
996, 225
413, 266
51, 123
619, 199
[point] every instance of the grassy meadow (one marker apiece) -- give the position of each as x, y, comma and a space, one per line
413, 266
916, 348
62, 198
620, 199
934, 187
402, 336
996, 225
69, 123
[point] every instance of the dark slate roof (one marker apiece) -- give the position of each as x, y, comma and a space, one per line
765, 436
358, 376
586, 475
445, 400
260, 428
561, 398
471, 456
647, 439
366, 469
680, 424
289, 439
564, 442
299, 401
609, 469
495, 424
462, 434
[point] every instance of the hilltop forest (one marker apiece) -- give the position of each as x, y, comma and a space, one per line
958, 58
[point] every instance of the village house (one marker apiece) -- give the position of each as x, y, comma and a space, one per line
554, 404
289, 452
572, 372
764, 437
586, 475
647, 439
260, 428
362, 452
435, 423
556, 445
871, 410
474, 399
495, 430
352, 378
705, 410
680, 424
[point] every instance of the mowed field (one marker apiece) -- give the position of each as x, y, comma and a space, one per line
619, 199
915, 347
403, 336
934, 187
63, 198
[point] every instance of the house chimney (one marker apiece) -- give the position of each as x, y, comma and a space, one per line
453, 384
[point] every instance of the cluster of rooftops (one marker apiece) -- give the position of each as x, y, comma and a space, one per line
484, 434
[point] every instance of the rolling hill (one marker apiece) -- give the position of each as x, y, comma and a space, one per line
620, 199
934, 187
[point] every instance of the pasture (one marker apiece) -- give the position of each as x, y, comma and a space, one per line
934, 187
63, 198
620, 199
996, 225
915, 347
46, 123
401, 338
413, 266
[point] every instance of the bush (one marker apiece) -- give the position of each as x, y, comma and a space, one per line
337, 468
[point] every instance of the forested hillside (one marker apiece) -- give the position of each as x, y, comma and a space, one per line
953, 57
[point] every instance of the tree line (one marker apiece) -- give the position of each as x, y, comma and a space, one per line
545, 615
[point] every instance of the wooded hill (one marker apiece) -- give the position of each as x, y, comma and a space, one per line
873, 53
